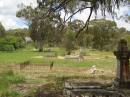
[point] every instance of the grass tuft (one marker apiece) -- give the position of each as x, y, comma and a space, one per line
8, 78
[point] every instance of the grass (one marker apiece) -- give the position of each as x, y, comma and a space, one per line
16, 57
105, 58
8, 78
19, 56
62, 67
34, 75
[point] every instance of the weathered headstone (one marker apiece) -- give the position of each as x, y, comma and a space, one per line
122, 54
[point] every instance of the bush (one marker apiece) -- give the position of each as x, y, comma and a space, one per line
11, 43
17, 42
6, 47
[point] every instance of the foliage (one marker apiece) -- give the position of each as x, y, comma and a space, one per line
21, 33
46, 18
45, 21
6, 47
69, 41
73, 7
40, 28
102, 34
11, 43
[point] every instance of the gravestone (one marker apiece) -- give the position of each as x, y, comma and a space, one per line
122, 55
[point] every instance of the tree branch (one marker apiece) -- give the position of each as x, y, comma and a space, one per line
62, 4
86, 24
59, 7
75, 13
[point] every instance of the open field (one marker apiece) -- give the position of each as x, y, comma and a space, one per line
40, 61
100, 59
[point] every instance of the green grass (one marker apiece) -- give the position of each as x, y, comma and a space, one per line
8, 78
20, 56
16, 57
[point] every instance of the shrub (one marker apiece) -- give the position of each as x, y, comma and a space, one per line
11, 43
17, 42
6, 47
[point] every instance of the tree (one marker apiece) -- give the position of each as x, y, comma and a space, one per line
39, 26
53, 8
122, 29
105, 34
69, 41
2, 30
22, 33
47, 15
72, 7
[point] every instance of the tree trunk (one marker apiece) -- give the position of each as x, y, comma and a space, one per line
40, 46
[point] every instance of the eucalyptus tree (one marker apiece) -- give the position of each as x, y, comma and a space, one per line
47, 16
72, 7
105, 34
40, 27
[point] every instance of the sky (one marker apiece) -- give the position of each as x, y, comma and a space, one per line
8, 9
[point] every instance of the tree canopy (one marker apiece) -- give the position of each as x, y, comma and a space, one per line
72, 7
46, 19
50, 9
